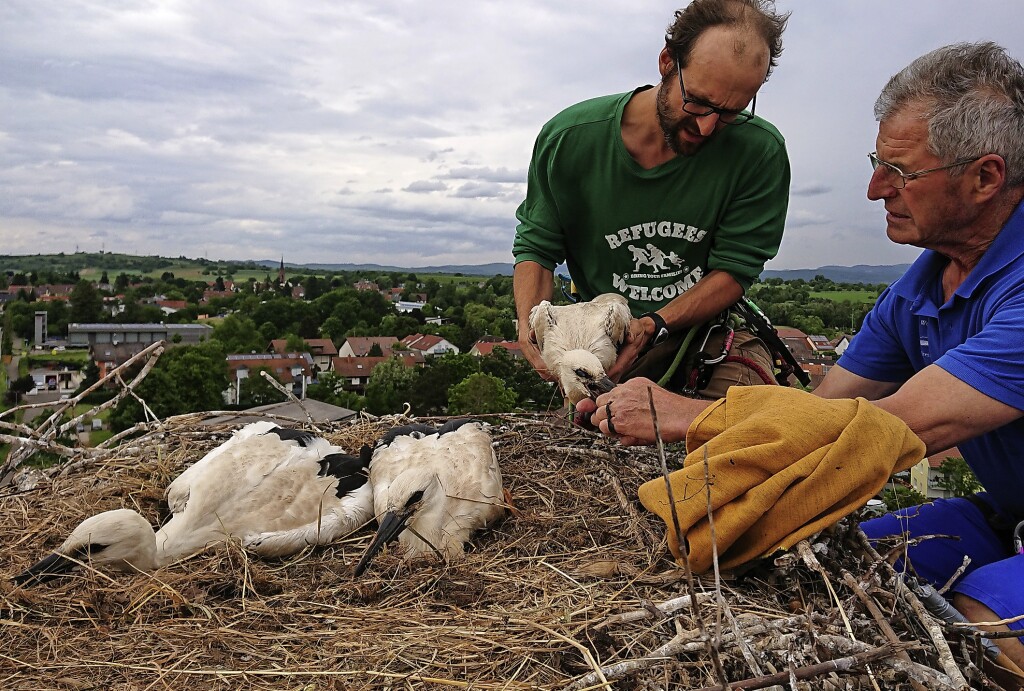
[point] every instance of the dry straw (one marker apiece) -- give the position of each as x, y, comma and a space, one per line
575, 589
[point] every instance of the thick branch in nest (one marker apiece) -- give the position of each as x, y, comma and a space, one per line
42, 435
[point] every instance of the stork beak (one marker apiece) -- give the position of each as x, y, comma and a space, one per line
391, 525
47, 569
603, 385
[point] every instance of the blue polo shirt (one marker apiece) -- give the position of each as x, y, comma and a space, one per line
977, 336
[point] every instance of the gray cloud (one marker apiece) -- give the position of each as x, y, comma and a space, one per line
353, 131
811, 190
488, 174
426, 186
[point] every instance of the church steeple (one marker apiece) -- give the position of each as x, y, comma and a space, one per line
280, 272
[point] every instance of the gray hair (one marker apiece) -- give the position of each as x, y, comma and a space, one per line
973, 98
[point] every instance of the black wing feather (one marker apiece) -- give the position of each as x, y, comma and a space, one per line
299, 436
453, 425
406, 430
350, 470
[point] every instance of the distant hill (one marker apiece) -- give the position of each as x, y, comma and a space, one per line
496, 269
79, 261
861, 273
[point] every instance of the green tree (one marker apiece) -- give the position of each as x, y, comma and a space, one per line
7, 344
19, 387
480, 393
295, 343
333, 328
435, 379
86, 303
957, 478
390, 386
186, 379
330, 388
256, 390
239, 335
899, 496
532, 392
20, 317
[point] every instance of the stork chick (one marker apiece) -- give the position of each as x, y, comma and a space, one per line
580, 342
275, 490
433, 491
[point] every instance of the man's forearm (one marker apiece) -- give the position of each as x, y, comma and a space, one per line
531, 283
706, 299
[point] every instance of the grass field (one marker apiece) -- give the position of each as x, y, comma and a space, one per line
866, 297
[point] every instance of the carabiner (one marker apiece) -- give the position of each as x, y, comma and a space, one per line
726, 345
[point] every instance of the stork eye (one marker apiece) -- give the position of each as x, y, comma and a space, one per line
416, 498
582, 373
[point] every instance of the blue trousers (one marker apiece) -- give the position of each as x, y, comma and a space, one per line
995, 575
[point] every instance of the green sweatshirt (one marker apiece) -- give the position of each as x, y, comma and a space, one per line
650, 234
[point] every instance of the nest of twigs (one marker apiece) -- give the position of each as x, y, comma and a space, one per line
575, 589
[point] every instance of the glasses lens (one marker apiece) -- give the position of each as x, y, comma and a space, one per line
694, 108
890, 173
727, 118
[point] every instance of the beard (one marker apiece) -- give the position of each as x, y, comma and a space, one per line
671, 126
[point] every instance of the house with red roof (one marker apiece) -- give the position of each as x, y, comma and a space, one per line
484, 348
171, 306
360, 346
355, 372
323, 351
429, 344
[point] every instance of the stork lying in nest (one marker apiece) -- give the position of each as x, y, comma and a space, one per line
580, 342
433, 488
276, 490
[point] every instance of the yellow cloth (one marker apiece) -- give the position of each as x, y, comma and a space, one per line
783, 464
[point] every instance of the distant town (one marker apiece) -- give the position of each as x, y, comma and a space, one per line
440, 344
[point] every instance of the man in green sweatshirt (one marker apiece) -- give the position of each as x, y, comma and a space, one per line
673, 196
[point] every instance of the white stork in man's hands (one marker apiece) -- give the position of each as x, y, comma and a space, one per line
276, 490
432, 489
580, 342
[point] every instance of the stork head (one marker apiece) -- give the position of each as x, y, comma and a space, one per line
122, 539
582, 376
410, 493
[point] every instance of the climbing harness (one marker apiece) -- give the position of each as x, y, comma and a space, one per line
744, 315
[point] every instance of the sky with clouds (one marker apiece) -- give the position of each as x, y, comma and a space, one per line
393, 131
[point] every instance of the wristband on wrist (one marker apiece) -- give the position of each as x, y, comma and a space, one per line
661, 331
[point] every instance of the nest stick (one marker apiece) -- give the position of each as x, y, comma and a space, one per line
683, 550
883, 624
277, 385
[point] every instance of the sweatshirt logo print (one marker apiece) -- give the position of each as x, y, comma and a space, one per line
652, 229
650, 261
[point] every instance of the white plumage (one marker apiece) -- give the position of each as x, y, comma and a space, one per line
433, 488
580, 342
275, 490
